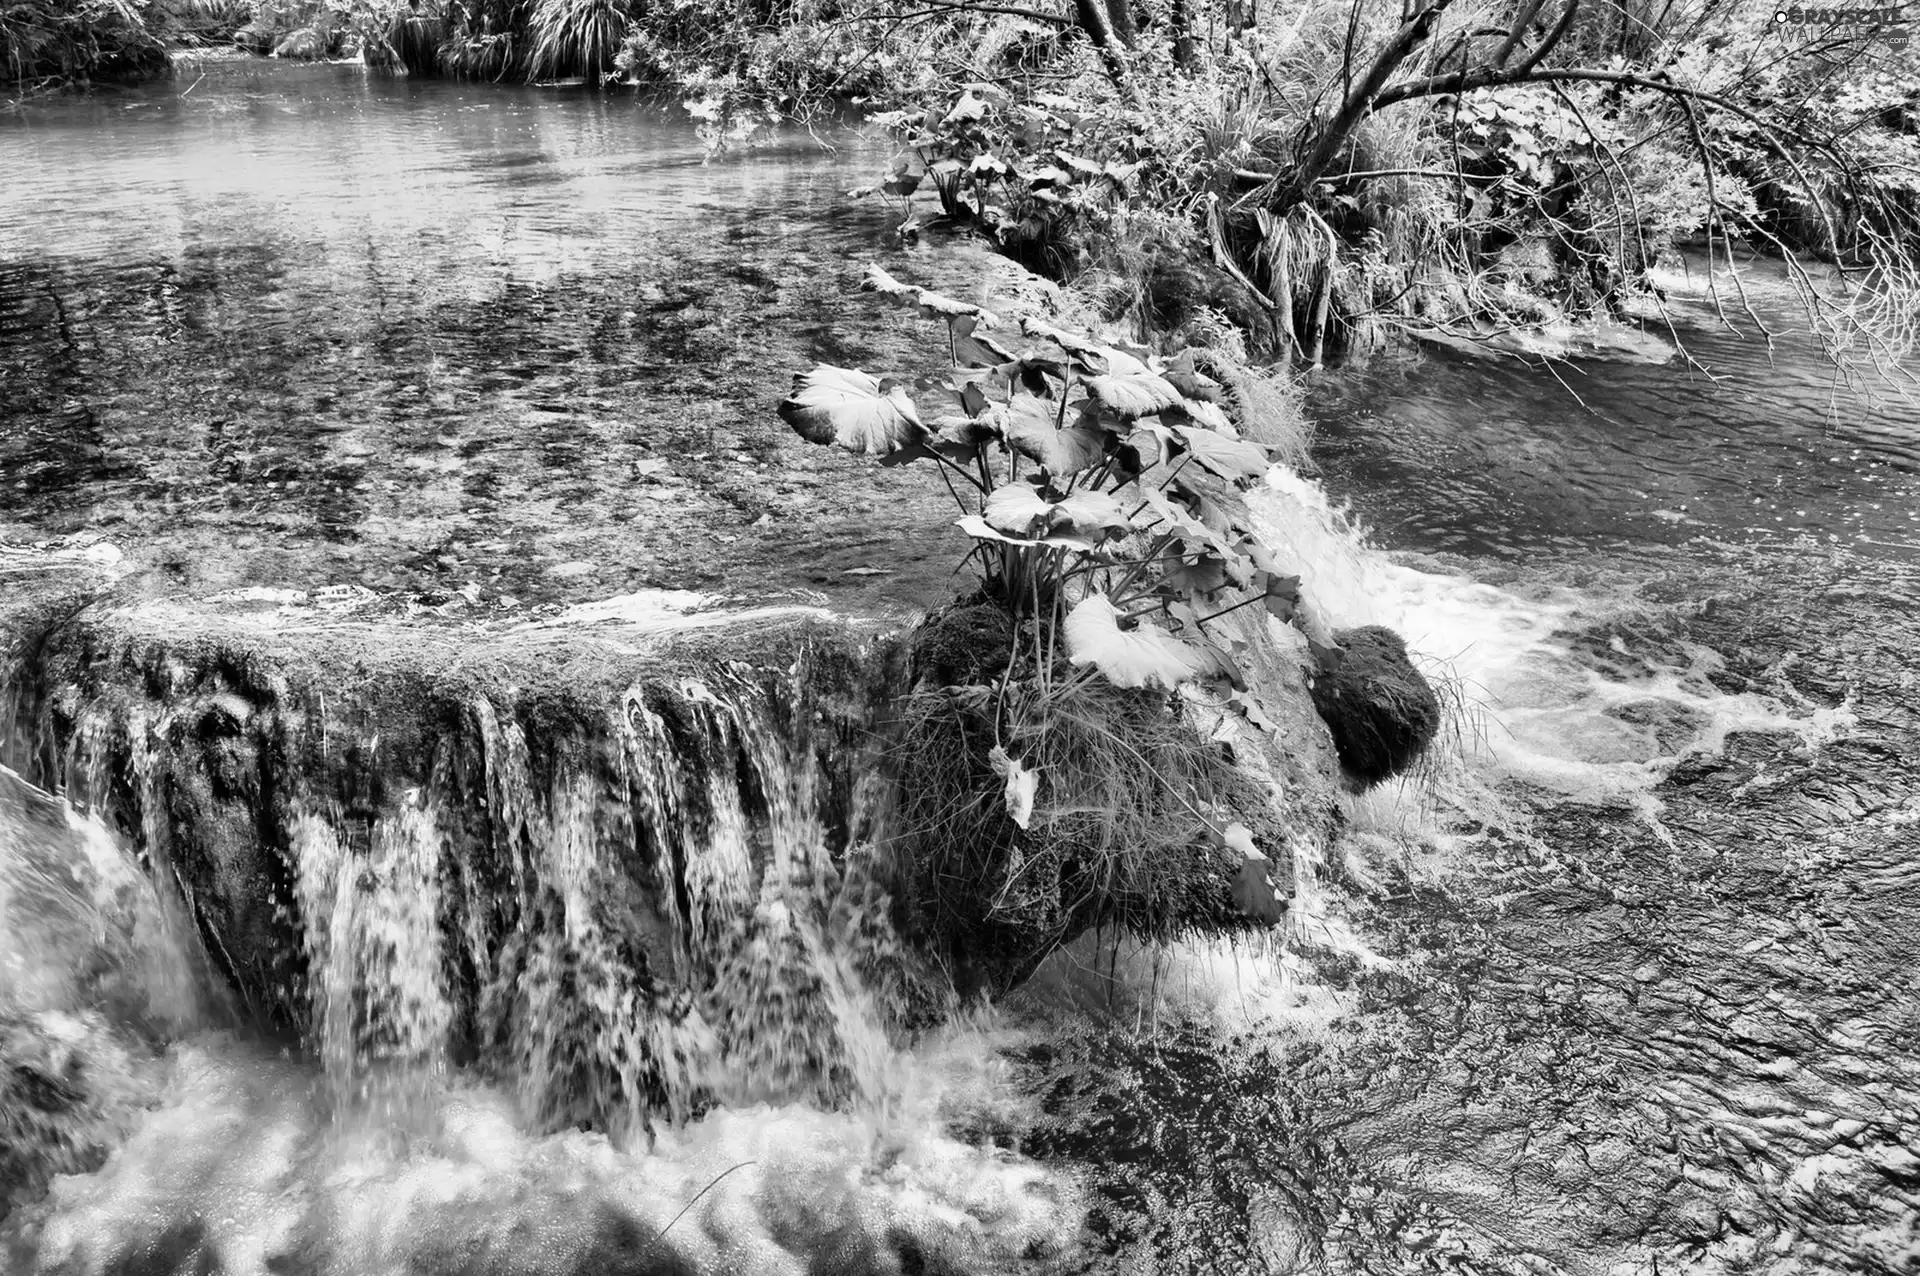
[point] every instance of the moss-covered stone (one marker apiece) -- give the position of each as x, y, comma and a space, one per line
1382, 712
967, 643
1133, 791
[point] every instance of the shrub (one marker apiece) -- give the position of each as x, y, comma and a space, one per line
59, 41
576, 38
1057, 767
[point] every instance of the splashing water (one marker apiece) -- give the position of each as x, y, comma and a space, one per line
534, 936
525, 943
93, 972
1529, 702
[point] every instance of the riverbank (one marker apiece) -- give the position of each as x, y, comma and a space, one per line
1314, 180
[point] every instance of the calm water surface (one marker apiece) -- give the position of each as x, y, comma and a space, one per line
300, 325
1447, 452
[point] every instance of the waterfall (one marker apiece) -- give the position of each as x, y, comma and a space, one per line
537, 941
627, 897
95, 970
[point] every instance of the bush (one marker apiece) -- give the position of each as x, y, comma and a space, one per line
576, 38
62, 41
1060, 764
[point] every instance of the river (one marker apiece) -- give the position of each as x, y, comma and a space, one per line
1623, 982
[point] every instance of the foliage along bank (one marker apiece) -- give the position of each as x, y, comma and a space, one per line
1320, 173
1116, 728
1304, 175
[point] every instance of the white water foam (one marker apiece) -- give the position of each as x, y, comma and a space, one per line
243, 1157
378, 1156
1529, 706
237, 1150
1533, 717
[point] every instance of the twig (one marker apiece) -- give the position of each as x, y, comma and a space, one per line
702, 1192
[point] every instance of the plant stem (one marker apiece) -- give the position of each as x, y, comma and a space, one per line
1257, 598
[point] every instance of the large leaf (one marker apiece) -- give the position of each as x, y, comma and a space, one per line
1213, 501
967, 110
1015, 508
1253, 890
1134, 394
849, 408
1144, 655
1171, 517
876, 279
1090, 355
1027, 372
1022, 783
1205, 573
974, 399
1030, 431
1091, 510
1021, 509
1203, 413
937, 305
1231, 459
981, 530
1187, 378
932, 304
958, 438
1282, 594
976, 350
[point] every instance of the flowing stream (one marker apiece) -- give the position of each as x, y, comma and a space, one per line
1622, 981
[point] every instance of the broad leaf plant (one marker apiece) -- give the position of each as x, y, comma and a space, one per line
1103, 488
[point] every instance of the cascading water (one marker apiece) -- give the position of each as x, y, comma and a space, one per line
567, 964
1555, 1002
94, 969
497, 918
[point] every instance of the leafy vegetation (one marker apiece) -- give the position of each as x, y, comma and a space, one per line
1057, 766
299, 29
46, 42
1312, 173
1449, 165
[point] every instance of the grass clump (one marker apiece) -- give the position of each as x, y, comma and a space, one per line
1123, 831
576, 37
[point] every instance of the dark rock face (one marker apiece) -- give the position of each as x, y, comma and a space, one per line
1381, 711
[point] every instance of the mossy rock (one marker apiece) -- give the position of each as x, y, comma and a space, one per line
305, 45
1179, 289
965, 644
1121, 834
1382, 712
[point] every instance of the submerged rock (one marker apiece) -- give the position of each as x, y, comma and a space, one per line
70, 1086
1382, 712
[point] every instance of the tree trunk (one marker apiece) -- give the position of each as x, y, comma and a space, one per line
1093, 20
1360, 101
1185, 54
